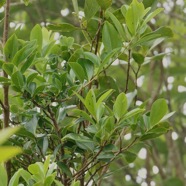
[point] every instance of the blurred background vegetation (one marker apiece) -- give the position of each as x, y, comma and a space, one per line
165, 76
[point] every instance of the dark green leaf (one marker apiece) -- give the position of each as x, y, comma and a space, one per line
64, 168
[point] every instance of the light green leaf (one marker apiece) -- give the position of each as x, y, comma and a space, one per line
111, 39
92, 57
158, 111
24, 52
3, 175
2, 2
8, 152
8, 68
104, 97
134, 14
7, 132
90, 102
152, 15
36, 34
11, 47
120, 106
90, 8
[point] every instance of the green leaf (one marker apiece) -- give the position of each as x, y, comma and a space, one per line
2, 2
107, 59
104, 4
7, 132
158, 111
26, 2
31, 125
63, 27
27, 63
83, 114
4, 80
138, 58
104, 97
117, 25
120, 106
36, 34
8, 68
8, 152
75, 5
152, 14
111, 39
78, 70
173, 182
82, 142
90, 8
18, 80
65, 169
88, 67
37, 169
90, 102
134, 14
132, 113
24, 52
11, 47
130, 156
3, 175
92, 57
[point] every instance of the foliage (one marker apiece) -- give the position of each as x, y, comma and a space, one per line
68, 105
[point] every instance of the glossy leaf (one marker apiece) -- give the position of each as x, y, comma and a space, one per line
158, 111
120, 106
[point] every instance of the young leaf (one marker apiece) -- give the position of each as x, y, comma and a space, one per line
158, 111
36, 34
111, 39
134, 14
120, 106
